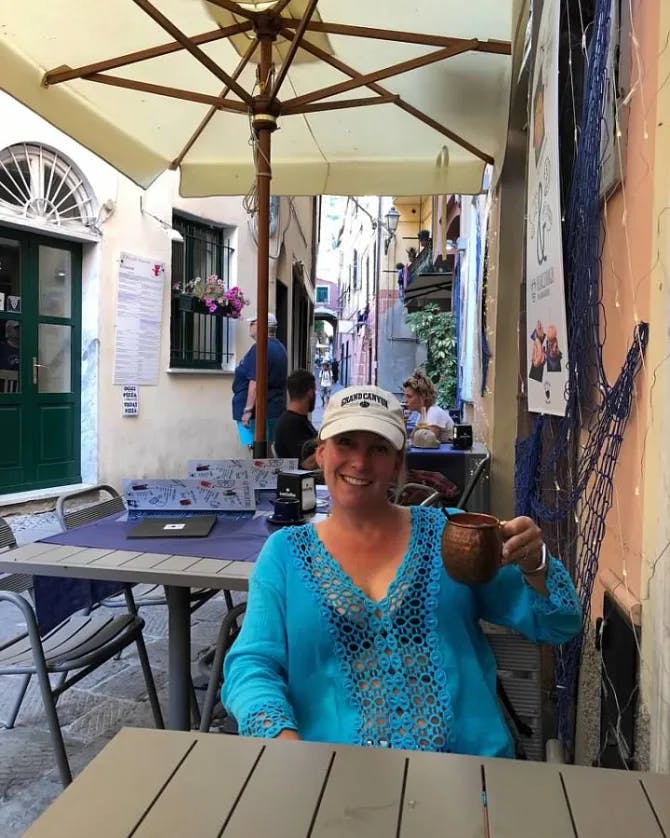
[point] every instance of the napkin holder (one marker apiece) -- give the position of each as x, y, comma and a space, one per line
297, 485
462, 438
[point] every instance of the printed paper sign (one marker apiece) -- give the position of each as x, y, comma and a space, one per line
139, 307
262, 473
231, 493
131, 400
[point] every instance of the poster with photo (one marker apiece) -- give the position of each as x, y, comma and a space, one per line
546, 325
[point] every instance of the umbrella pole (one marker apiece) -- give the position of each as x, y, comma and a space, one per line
265, 122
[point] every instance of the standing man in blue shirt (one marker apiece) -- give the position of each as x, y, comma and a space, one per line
244, 385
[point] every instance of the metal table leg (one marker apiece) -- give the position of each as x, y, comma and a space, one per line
179, 657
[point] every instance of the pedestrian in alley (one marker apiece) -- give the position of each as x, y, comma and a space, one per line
244, 386
326, 383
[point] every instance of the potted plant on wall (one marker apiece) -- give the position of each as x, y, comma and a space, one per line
210, 296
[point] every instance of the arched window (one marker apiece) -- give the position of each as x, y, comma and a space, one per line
41, 185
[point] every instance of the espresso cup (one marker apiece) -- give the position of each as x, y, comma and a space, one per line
287, 510
472, 547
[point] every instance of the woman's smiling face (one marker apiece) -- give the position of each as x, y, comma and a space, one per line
358, 467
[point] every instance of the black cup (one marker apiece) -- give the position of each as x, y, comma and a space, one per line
287, 511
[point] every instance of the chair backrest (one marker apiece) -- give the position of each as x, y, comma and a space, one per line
482, 466
6, 535
16, 582
9, 381
416, 494
71, 513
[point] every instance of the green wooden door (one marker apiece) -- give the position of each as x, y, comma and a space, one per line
40, 351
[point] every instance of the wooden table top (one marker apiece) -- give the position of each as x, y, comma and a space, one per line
42, 559
167, 783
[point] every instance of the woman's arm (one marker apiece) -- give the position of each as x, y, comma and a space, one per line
255, 687
543, 606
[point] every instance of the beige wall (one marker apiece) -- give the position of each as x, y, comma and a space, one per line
626, 281
655, 536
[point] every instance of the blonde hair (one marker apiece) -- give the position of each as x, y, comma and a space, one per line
421, 384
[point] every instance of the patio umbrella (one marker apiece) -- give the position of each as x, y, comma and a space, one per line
398, 98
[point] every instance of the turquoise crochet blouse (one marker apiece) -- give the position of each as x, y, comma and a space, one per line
413, 670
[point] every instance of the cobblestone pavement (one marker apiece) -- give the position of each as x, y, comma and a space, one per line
91, 712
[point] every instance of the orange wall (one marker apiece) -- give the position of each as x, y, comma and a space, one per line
626, 265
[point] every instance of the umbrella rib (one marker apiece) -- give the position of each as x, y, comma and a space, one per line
208, 117
295, 44
234, 8
231, 105
279, 8
196, 52
317, 52
494, 46
384, 73
60, 75
389, 98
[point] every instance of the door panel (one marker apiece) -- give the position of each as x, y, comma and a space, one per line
40, 307
53, 369
57, 445
55, 280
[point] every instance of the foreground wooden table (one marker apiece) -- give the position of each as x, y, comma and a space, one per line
166, 783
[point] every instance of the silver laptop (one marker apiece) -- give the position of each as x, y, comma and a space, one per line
197, 526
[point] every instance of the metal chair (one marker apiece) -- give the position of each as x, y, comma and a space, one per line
72, 650
230, 628
16, 582
416, 494
482, 466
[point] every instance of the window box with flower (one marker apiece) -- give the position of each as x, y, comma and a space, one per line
210, 296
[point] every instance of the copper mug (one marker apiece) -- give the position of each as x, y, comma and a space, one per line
472, 547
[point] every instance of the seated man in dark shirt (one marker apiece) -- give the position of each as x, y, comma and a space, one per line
293, 428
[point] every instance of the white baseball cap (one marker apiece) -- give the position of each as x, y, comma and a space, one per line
365, 408
272, 320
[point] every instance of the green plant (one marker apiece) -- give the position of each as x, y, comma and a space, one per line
436, 330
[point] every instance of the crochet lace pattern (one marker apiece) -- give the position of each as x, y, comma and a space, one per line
266, 720
388, 650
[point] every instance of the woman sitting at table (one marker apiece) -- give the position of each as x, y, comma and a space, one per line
354, 633
419, 394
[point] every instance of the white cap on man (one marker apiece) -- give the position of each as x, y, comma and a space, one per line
272, 320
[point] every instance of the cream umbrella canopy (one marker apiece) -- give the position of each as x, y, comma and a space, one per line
370, 97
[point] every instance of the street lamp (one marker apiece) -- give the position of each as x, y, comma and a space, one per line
392, 218
390, 224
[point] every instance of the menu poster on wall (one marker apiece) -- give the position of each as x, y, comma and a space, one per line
138, 320
546, 326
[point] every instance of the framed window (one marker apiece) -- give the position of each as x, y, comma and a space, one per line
200, 340
355, 273
322, 294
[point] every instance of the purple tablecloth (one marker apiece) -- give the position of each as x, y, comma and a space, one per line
230, 539
58, 597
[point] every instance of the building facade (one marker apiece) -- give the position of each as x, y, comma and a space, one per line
76, 240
